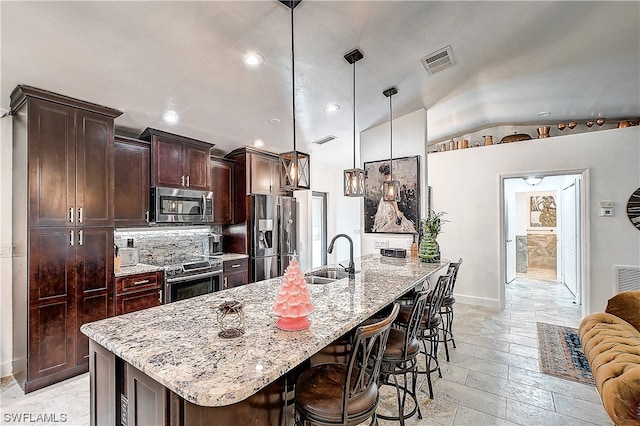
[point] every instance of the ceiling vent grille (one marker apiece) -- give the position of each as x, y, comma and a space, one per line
438, 61
324, 140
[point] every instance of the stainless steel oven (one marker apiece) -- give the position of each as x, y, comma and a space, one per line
191, 279
173, 205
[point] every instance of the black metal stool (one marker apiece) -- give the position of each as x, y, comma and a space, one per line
345, 394
447, 307
401, 358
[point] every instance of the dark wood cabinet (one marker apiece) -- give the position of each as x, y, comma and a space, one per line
222, 188
63, 218
72, 179
139, 291
235, 273
131, 176
178, 161
256, 172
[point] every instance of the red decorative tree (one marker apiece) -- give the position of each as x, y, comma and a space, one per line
293, 303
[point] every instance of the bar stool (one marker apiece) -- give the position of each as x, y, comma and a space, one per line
429, 331
345, 394
401, 358
447, 307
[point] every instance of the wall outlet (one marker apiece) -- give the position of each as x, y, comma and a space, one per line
381, 243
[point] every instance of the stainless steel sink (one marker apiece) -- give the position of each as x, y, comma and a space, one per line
312, 279
332, 273
326, 275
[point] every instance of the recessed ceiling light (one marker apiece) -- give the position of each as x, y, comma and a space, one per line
253, 59
331, 108
258, 142
544, 113
170, 117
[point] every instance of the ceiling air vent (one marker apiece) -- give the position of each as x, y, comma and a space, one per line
324, 140
438, 61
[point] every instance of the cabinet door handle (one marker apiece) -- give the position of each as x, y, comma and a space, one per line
71, 239
141, 282
224, 283
236, 265
182, 180
79, 214
146, 216
160, 296
71, 215
80, 237
187, 181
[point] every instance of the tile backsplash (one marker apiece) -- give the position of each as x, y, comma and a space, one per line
162, 246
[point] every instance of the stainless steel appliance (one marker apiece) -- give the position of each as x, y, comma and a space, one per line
191, 279
212, 244
173, 205
273, 235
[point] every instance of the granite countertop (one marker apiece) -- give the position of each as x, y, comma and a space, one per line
178, 346
140, 268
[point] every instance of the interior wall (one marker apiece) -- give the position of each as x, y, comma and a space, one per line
409, 139
341, 218
466, 184
5, 246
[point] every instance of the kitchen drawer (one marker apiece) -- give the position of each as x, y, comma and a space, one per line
231, 266
138, 282
138, 300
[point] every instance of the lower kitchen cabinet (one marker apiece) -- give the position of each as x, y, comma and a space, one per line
235, 273
70, 283
140, 291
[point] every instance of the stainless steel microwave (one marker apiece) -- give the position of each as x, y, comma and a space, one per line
173, 205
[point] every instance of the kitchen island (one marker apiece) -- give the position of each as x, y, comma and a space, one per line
167, 365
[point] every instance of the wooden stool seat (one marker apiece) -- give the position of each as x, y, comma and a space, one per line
319, 394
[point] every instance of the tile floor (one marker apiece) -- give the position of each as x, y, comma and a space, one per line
493, 377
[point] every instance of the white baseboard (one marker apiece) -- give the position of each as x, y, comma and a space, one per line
6, 369
478, 301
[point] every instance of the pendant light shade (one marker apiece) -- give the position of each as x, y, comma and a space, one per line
354, 178
294, 165
390, 187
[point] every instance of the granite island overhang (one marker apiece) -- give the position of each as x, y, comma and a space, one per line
177, 345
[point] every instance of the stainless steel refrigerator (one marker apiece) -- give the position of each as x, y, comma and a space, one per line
273, 225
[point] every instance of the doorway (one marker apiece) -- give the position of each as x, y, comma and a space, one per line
542, 230
318, 229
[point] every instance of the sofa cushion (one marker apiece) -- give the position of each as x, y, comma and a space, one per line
612, 347
626, 305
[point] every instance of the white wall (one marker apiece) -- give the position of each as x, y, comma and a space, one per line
466, 184
5, 246
342, 215
409, 139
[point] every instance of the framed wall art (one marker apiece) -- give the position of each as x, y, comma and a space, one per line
399, 217
542, 212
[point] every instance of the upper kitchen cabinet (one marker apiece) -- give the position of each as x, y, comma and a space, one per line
222, 171
178, 161
131, 167
68, 145
256, 172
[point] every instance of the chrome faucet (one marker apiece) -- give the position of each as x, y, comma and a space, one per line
351, 268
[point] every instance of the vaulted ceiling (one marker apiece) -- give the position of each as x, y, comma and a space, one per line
576, 60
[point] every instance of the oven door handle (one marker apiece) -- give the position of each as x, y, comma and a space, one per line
193, 277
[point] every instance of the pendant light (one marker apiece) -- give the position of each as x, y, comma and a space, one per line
354, 178
391, 187
294, 165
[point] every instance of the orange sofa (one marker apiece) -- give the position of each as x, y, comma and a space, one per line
611, 343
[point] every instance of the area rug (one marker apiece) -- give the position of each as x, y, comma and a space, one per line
560, 353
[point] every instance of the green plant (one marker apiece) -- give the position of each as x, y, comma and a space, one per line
432, 225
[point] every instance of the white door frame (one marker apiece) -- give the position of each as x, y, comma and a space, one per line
584, 254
